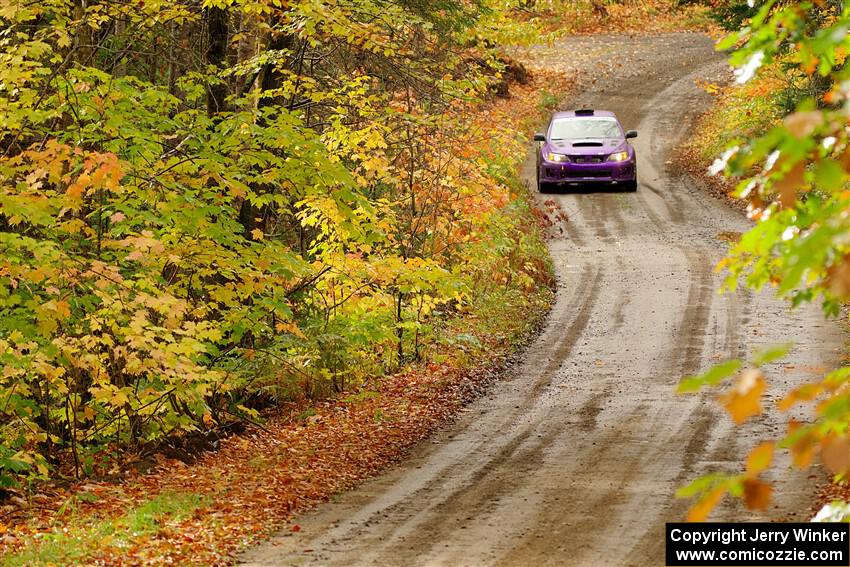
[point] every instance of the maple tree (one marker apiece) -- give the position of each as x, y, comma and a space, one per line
306, 449
210, 206
793, 173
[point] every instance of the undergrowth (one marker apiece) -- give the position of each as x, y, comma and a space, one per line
80, 535
739, 113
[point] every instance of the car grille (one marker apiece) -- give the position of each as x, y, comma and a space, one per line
587, 159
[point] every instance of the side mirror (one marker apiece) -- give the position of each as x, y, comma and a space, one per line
631, 134
539, 137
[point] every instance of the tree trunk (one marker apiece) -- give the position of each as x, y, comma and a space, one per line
216, 52
83, 34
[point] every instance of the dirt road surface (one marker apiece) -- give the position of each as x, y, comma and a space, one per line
574, 458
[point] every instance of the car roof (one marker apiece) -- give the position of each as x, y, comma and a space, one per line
583, 114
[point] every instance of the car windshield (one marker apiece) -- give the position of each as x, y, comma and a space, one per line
577, 128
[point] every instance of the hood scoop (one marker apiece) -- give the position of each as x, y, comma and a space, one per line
587, 144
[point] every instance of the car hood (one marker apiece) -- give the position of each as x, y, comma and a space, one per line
589, 147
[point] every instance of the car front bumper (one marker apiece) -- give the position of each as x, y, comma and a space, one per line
607, 172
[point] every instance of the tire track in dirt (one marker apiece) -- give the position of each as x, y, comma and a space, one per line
514, 447
684, 354
594, 217
691, 336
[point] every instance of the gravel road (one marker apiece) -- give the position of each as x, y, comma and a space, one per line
574, 458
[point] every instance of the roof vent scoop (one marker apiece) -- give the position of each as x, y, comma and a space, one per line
584, 112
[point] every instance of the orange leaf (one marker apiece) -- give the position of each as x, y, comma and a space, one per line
804, 393
845, 159
760, 457
802, 124
757, 494
63, 308
700, 511
835, 452
838, 278
75, 191
742, 401
802, 451
790, 182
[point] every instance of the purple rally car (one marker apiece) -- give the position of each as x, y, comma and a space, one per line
584, 146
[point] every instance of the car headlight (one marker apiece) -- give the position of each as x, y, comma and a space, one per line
551, 156
619, 156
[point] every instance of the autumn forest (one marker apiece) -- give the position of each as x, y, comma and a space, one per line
253, 251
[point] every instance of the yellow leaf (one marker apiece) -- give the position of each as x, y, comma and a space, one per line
257, 234
119, 398
742, 401
760, 457
63, 308
292, 328
757, 494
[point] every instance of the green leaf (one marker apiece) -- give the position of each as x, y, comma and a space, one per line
829, 175
714, 376
730, 40
769, 354
701, 484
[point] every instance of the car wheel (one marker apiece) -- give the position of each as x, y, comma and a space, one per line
543, 187
631, 185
